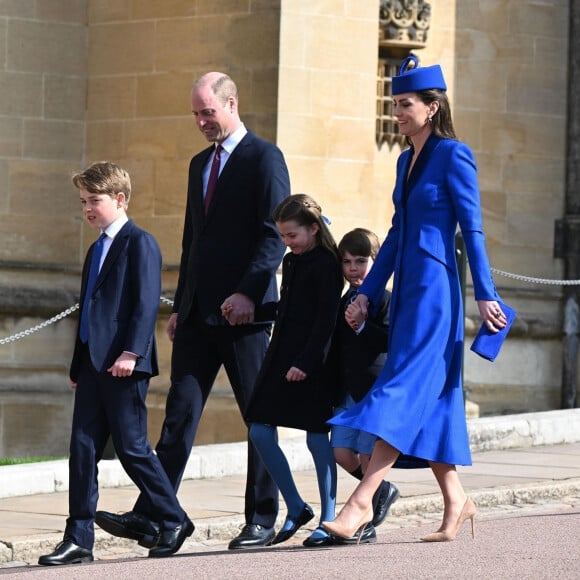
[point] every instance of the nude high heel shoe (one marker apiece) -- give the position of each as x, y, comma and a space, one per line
468, 512
337, 529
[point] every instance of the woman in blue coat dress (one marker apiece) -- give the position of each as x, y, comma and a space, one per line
416, 406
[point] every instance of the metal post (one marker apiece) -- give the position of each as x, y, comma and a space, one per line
571, 221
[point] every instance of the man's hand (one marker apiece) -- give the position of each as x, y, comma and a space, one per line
238, 309
295, 374
171, 325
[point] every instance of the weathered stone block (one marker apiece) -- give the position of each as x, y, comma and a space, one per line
21, 94
10, 137
57, 140
43, 188
62, 10
112, 97
38, 241
65, 97
196, 44
105, 140
164, 95
122, 48
35, 46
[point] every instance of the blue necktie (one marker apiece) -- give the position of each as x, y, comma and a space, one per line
93, 273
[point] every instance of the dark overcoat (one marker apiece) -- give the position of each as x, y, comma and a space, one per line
305, 319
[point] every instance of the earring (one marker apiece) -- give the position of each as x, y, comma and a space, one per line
429, 120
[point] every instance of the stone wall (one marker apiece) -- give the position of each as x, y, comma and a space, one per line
85, 80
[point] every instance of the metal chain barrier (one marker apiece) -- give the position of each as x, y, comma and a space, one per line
168, 301
52, 320
536, 280
40, 326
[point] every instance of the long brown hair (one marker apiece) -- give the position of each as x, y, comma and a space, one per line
441, 121
302, 209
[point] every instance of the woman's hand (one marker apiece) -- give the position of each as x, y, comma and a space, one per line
492, 315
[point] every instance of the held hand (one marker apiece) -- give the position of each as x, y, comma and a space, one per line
72, 384
171, 325
238, 309
354, 315
492, 315
295, 374
124, 365
357, 311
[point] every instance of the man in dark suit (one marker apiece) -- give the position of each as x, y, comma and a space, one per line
114, 358
230, 253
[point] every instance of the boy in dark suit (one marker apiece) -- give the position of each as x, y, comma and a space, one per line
114, 357
359, 353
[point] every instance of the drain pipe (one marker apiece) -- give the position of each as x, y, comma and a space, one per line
567, 239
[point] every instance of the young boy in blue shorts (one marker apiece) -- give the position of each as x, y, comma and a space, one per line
359, 353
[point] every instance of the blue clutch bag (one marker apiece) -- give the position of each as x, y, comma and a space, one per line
488, 344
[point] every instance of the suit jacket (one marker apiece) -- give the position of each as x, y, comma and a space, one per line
236, 247
124, 304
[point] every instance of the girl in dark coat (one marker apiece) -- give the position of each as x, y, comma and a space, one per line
292, 389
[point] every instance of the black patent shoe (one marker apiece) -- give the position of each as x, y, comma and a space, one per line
130, 525
252, 536
305, 516
369, 536
318, 541
171, 540
67, 552
386, 496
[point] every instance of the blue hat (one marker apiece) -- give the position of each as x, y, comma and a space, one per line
417, 79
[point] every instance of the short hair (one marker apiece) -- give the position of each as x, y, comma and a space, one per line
222, 86
360, 242
104, 177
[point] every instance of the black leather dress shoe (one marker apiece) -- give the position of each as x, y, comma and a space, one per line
305, 516
319, 540
369, 536
171, 540
129, 525
387, 495
67, 552
252, 536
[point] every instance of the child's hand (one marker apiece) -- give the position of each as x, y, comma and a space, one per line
124, 365
357, 312
238, 309
295, 374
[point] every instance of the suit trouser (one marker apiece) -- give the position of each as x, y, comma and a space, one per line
109, 405
199, 350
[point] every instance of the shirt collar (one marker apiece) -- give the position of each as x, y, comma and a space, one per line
234, 139
113, 229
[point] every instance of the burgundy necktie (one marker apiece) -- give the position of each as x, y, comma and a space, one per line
213, 177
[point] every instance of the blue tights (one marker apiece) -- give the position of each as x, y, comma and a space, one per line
264, 437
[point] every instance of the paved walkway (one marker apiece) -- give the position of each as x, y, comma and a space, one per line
32, 525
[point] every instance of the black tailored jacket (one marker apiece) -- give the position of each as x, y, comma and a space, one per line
124, 304
236, 247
